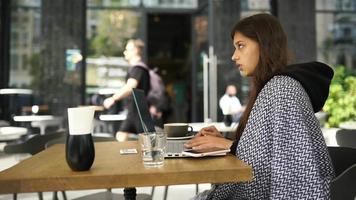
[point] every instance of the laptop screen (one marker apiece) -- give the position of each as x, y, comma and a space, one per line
174, 147
142, 109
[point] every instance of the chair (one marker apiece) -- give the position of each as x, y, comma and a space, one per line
346, 138
101, 127
344, 163
31, 144
344, 185
342, 158
4, 123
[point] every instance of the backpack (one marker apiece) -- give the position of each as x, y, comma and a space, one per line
157, 89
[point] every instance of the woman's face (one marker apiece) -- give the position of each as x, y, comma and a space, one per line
246, 54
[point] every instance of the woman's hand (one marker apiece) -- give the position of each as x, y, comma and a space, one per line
209, 130
208, 139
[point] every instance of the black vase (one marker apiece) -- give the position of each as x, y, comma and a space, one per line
227, 120
80, 152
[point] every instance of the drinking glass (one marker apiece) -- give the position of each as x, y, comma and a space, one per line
153, 148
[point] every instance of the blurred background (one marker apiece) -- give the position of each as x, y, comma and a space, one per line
64, 53
56, 54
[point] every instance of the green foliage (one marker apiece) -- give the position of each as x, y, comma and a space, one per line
114, 28
341, 103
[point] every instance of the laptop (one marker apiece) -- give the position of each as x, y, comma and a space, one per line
175, 146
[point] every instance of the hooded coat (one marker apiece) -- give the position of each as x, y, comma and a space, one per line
283, 141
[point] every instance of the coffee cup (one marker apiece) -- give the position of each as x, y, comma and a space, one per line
178, 130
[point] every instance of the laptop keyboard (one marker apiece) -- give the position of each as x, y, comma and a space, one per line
174, 148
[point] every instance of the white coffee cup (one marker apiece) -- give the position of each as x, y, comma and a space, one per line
80, 120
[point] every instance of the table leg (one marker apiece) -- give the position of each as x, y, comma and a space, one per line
130, 193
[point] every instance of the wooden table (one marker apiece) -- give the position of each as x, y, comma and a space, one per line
48, 171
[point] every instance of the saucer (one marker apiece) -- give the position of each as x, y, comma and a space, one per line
180, 138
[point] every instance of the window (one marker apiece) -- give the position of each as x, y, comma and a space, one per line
108, 30
336, 32
24, 46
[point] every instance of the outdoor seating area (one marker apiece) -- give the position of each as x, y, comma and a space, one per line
177, 99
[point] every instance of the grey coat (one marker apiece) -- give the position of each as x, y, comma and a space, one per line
284, 145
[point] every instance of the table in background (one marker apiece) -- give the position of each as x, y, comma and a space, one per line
9, 133
112, 121
112, 170
112, 117
40, 121
13, 99
15, 91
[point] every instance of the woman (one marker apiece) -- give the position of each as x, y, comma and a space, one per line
278, 134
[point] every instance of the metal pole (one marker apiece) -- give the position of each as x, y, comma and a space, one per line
84, 53
212, 85
206, 87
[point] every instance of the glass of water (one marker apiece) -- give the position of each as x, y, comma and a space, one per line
153, 148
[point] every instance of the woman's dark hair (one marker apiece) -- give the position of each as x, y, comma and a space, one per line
266, 30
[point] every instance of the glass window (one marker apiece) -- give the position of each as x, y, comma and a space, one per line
113, 3
336, 32
250, 7
13, 60
107, 33
188, 4
25, 30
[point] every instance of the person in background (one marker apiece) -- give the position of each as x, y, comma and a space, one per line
278, 134
137, 77
230, 104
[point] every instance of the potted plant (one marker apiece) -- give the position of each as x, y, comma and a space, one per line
341, 103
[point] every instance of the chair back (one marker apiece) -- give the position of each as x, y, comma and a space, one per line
344, 185
342, 158
346, 138
31, 144
4, 123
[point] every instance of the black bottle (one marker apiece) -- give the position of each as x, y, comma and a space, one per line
80, 152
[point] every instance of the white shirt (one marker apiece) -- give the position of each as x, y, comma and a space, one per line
229, 104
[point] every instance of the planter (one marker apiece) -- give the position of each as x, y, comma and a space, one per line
348, 125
